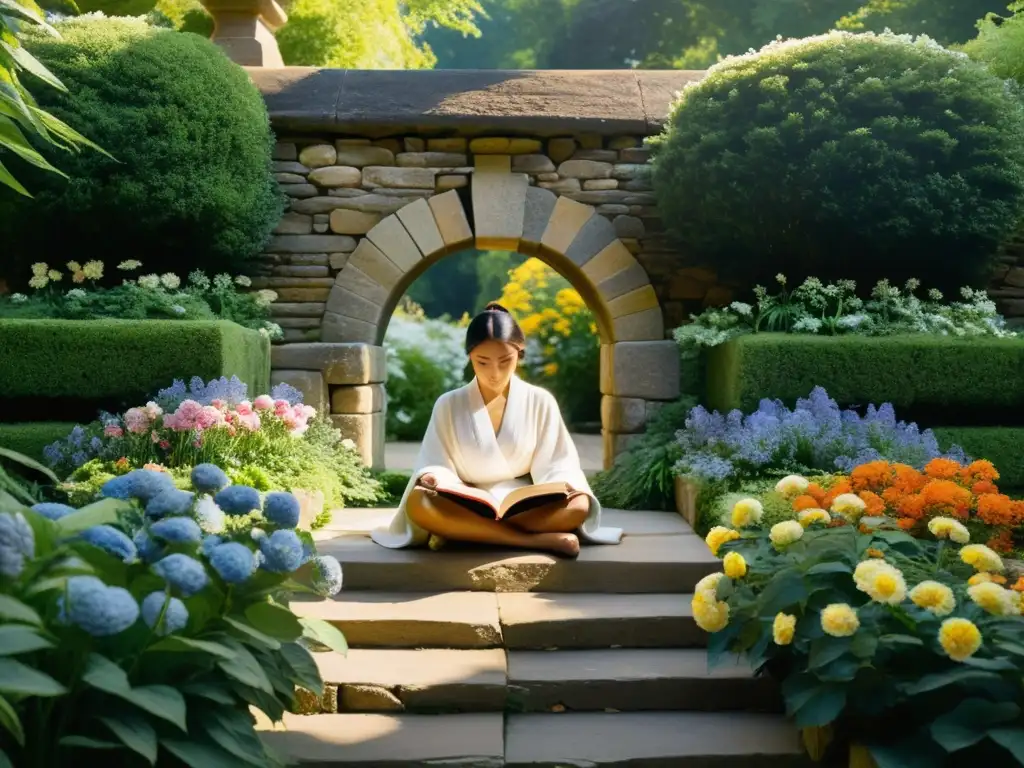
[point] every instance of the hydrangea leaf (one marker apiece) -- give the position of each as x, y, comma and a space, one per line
104, 512
135, 733
86, 743
9, 720
244, 668
15, 610
19, 638
326, 634
16, 677
232, 730
274, 620
1011, 739
304, 669
823, 706
199, 755
191, 644
209, 691
249, 632
160, 700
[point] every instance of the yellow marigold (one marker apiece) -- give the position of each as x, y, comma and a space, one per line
959, 638
93, 269
38, 281
839, 620
785, 533
808, 517
709, 583
883, 583
54, 275
530, 324
563, 327
718, 535
933, 596
709, 614
783, 628
994, 599
981, 558
747, 512
792, 486
984, 578
849, 505
735, 566
948, 528
40, 268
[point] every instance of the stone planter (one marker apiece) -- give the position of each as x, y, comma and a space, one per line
686, 492
311, 504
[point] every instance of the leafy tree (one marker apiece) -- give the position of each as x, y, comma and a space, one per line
1000, 43
948, 21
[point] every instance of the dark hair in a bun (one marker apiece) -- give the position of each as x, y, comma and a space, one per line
495, 323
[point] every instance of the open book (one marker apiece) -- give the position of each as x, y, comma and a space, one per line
518, 501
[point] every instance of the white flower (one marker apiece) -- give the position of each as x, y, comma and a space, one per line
348, 444
18, 298
243, 281
150, 282
849, 505
75, 293
785, 533
266, 297
791, 486
741, 308
170, 281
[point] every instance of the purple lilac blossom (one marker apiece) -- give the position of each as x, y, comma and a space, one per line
232, 391
285, 391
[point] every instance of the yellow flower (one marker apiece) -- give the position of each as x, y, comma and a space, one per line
948, 528
981, 558
808, 517
735, 566
38, 281
995, 599
550, 369
959, 638
74, 266
785, 533
747, 512
129, 264
839, 620
872, 552
849, 505
933, 596
791, 485
93, 269
783, 628
40, 268
718, 535
709, 614
709, 583
882, 582
54, 276
563, 327
982, 578
530, 325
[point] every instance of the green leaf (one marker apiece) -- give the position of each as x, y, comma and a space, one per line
1011, 739
15, 610
210, 691
782, 592
11, 138
1014, 648
864, 644
968, 722
326, 634
823, 707
29, 462
30, 63
303, 666
160, 700
900, 640
246, 670
826, 650
104, 512
5, 761
176, 643
251, 633
10, 721
16, 677
918, 751
199, 755
233, 731
135, 732
823, 568
955, 676
275, 621
86, 743
995, 665
19, 638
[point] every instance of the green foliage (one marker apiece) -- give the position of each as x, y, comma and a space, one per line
1000, 445
124, 360
863, 156
30, 437
641, 477
1000, 43
393, 485
945, 20
192, 182
20, 113
21, 476
937, 377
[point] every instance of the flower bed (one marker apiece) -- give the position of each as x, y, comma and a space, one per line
148, 625
906, 647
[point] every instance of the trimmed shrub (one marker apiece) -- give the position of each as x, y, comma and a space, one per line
928, 379
67, 369
191, 186
1003, 446
30, 438
845, 156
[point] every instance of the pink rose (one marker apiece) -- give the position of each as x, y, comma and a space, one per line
112, 430
263, 403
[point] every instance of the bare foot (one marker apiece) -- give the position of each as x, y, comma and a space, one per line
560, 543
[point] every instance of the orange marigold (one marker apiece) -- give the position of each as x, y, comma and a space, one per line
1017, 512
911, 507
816, 492
804, 502
982, 469
945, 496
893, 496
906, 523
838, 489
908, 479
1002, 542
942, 469
995, 509
874, 504
1019, 585
872, 552
984, 486
872, 476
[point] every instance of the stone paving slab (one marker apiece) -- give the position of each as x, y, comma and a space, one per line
651, 740
389, 741
410, 620
635, 680
535, 620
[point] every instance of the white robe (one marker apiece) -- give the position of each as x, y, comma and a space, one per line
460, 446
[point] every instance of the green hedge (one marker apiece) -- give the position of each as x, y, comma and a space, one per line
930, 379
123, 360
30, 438
1003, 446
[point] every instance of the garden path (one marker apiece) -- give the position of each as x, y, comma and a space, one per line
400, 457
475, 657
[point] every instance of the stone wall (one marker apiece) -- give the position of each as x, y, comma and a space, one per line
1007, 288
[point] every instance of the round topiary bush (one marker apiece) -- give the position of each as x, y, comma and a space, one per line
190, 182
845, 156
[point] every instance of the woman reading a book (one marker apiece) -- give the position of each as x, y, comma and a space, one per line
497, 465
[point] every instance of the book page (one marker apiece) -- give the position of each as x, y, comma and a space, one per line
519, 495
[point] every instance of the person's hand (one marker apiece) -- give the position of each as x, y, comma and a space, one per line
428, 481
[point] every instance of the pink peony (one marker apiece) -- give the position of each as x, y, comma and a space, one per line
220, 405
137, 420
153, 410
308, 412
244, 407
263, 403
112, 430
209, 417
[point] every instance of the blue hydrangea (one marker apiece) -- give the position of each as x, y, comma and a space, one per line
209, 516
233, 561
111, 540
238, 499
17, 544
208, 478
326, 578
53, 510
285, 391
210, 543
177, 530
142, 484
183, 573
149, 550
175, 616
170, 503
282, 551
282, 509
98, 609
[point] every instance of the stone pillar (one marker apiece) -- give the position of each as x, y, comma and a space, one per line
245, 30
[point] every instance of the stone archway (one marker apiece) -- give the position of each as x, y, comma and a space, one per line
639, 368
